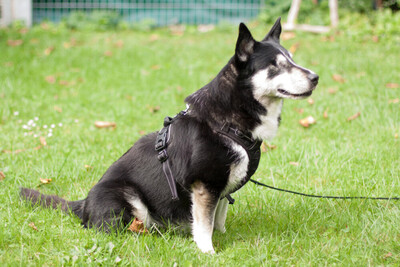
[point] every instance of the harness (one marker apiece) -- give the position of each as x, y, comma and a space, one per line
251, 146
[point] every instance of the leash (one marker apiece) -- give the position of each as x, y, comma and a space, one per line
318, 196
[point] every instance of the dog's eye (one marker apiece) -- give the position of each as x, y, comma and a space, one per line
273, 71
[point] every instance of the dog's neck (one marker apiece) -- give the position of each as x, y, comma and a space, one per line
228, 98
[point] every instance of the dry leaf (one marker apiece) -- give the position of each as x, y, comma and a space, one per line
299, 110
45, 26
392, 85
108, 53
310, 101
153, 109
294, 163
294, 47
155, 67
32, 225
375, 39
45, 180
48, 50
14, 42
43, 141
287, 36
393, 101
353, 117
34, 41
141, 132
105, 124
388, 255
50, 79
265, 147
177, 30
13, 152
361, 74
326, 113
137, 227
65, 83
207, 28
332, 91
2, 176
396, 135
23, 30
119, 44
8, 64
88, 167
58, 109
338, 78
154, 37
306, 122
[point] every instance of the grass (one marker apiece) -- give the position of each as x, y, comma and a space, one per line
77, 82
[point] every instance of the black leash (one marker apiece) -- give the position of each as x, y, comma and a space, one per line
317, 196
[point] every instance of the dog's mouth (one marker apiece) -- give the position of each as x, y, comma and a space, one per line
284, 92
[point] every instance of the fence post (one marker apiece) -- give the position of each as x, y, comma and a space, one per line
12, 10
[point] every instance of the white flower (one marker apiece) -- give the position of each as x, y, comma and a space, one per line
60, 124
36, 118
45, 126
16, 113
52, 126
50, 135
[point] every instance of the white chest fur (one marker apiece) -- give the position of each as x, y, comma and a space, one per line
269, 123
238, 169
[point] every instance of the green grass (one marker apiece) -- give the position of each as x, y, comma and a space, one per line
334, 156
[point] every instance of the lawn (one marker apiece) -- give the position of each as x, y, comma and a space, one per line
55, 84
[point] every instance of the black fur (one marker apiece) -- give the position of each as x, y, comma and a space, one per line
197, 153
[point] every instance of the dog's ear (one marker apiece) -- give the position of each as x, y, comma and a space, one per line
245, 44
275, 31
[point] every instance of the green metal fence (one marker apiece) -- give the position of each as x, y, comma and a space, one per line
162, 12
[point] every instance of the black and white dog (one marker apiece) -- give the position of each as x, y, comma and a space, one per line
213, 148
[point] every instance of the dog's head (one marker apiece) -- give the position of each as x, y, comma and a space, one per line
270, 67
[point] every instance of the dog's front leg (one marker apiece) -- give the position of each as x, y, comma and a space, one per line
220, 215
203, 212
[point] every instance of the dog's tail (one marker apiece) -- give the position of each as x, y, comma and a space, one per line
52, 201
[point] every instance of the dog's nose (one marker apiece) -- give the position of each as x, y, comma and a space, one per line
313, 78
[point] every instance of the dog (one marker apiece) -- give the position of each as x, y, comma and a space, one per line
213, 147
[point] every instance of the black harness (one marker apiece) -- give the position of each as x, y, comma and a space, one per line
251, 146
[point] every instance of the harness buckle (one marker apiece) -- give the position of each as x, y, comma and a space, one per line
162, 155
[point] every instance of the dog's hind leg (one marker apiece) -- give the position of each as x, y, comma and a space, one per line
203, 212
220, 215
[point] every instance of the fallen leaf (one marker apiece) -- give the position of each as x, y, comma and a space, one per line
310, 101
294, 47
353, 117
43, 141
58, 109
155, 67
137, 227
153, 109
13, 152
23, 30
388, 255
2, 176
88, 167
141, 132
105, 124
287, 36
45, 180
299, 110
329, 38
306, 122
8, 64
338, 78
207, 28
14, 42
332, 91
375, 39
32, 225
108, 53
393, 101
49, 50
361, 74
396, 135
154, 37
294, 163
34, 41
50, 79
265, 147
119, 44
177, 30
326, 113
65, 83
314, 63
44, 26
392, 85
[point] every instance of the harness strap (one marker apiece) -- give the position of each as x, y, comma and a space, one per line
161, 148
